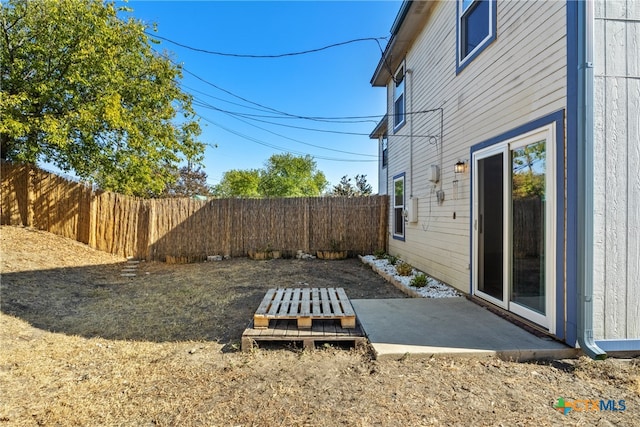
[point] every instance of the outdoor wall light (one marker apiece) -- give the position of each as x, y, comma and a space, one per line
460, 167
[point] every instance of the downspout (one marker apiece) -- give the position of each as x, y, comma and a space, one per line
585, 181
410, 118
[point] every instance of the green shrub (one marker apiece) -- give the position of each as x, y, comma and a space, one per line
380, 254
392, 259
404, 268
419, 280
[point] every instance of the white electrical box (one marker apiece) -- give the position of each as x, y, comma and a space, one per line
412, 211
435, 174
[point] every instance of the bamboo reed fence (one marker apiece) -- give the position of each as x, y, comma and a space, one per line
528, 219
186, 230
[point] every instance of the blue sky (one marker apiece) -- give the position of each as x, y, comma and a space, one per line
331, 83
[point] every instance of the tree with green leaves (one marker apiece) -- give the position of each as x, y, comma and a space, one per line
286, 175
82, 88
529, 164
238, 183
346, 188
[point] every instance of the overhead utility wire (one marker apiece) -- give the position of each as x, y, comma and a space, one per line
266, 144
386, 64
237, 96
251, 117
298, 141
279, 55
223, 100
182, 68
295, 116
288, 114
341, 119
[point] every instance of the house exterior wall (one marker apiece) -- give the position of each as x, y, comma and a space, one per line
517, 79
616, 269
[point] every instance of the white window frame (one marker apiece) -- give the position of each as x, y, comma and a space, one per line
399, 96
398, 208
384, 151
464, 7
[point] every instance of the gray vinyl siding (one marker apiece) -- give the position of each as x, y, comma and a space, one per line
520, 77
616, 170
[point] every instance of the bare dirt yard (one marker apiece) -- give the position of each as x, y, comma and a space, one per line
80, 344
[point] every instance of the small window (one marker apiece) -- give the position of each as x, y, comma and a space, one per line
476, 28
398, 207
398, 99
384, 148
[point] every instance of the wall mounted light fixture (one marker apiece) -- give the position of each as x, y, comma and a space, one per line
460, 167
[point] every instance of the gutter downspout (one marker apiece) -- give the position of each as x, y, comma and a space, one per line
409, 71
585, 181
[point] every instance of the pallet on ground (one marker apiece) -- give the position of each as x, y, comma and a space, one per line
305, 305
286, 330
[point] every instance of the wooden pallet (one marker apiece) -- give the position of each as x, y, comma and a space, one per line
304, 305
322, 331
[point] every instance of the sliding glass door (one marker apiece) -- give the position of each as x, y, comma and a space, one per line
514, 225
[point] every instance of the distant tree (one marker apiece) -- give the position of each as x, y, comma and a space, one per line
191, 181
529, 164
346, 188
238, 183
83, 89
286, 175
343, 188
364, 188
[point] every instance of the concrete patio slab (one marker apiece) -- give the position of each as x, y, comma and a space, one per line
448, 326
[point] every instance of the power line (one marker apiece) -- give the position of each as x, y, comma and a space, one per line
289, 114
386, 64
223, 100
279, 55
340, 119
295, 116
300, 127
233, 94
266, 144
253, 117
297, 140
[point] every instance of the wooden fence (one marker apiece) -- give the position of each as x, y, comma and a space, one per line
155, 229
528, 219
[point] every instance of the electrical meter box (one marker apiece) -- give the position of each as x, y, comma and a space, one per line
412, 210
435, 174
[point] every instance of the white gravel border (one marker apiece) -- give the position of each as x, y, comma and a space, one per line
433, 289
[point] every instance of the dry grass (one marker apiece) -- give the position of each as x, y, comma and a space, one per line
150, 357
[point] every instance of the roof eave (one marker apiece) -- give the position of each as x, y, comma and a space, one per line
380, 129
404, 30
381, 75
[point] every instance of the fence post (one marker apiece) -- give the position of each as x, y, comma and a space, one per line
93, 214
151, 229
30, 196
225, 210
306, 232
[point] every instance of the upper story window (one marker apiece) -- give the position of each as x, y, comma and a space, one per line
384, 148
399, 98
476, 28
